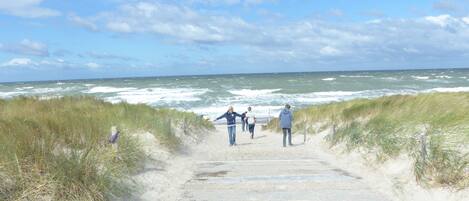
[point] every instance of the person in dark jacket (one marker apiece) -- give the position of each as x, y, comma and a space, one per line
243, 121
230, 116
285, 120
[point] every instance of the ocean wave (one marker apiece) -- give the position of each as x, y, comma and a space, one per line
335, 93
156, 95
356, 76
39, 91
253, 92
24, 88
449, 89
421, 77
329, 79
103, 89
390, 78
31, 91
444, 77
269, 105
10, 94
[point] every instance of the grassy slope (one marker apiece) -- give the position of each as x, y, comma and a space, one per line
393, 125
58, 148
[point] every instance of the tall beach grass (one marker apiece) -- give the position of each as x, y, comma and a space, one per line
432, 129
57, 149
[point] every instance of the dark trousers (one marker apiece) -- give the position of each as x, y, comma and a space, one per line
251, 129
243, 124
286, 131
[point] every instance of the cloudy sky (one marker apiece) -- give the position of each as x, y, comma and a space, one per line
56, 39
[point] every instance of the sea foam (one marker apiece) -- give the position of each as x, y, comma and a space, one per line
103, 89
155, 95
329, 79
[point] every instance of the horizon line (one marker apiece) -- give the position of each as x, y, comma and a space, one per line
228, 74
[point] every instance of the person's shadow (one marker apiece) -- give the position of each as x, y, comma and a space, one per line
244, 144
298, 144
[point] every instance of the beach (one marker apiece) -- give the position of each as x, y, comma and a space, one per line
261, 169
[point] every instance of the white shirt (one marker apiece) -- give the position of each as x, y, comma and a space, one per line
251, 117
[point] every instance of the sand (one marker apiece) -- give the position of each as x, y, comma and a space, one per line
261, 169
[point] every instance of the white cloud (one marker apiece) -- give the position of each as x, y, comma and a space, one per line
410, 50
254, 2
216, 2
105, 55
465, 20
441, 20
231, 2
26, 8
329, 51
86, 23
27, 47
306, 41
175, 22
122, 27
18, 62
92, 65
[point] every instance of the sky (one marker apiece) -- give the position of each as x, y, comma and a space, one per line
59, 40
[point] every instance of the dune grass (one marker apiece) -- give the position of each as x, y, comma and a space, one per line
433, 129
57, 148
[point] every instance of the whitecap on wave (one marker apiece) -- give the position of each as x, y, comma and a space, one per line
421, 77
157, 95
444, 77
10, 94
329, 79
24, 88
103, 89
453, 89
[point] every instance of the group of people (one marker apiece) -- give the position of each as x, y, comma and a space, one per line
248, 122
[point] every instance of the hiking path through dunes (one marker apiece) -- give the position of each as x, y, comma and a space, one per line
261, 169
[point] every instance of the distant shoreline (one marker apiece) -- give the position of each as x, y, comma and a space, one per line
235, 74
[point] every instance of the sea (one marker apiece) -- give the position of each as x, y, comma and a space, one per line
210, 95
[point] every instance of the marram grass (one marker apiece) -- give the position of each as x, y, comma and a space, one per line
433, 129
57, 149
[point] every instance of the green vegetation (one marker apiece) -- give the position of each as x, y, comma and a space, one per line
58, 148
433, 129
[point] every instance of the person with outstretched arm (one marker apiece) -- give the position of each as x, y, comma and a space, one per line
230, 116
285, 120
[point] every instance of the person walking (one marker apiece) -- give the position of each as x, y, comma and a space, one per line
246, 123
251, 121
243, 121
285, 120
230, 116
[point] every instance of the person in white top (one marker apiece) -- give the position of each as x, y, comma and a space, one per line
251, 119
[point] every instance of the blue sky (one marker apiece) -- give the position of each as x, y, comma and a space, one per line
56, 39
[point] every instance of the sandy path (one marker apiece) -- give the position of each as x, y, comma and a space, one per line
261, 169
